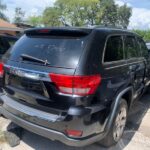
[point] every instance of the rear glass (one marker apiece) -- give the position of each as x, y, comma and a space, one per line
58, 51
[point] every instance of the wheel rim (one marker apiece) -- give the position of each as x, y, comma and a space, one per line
120, 123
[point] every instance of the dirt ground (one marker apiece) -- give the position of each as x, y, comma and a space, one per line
136, 136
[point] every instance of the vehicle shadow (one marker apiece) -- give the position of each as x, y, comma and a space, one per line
135, 119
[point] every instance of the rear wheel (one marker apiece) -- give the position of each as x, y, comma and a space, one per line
118, 125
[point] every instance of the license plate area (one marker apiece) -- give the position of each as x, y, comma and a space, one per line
24, 84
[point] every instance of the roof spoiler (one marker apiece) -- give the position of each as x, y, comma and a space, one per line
71, 32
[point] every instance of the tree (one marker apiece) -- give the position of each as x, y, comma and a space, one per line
145, 34
51, 17
87, 12
35, 21
19, 15
2, 8
124, 13
79, 12
109, 13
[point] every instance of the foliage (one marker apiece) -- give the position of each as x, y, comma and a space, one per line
51, 17
124, 13
19, 15
87, 12
35, 21
79, 12
145, 34
115, 15
2, 8
109, 13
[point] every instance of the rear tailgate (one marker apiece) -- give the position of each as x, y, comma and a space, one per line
29, 82
34, 88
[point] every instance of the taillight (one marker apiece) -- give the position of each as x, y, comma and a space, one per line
1, 69
76, 85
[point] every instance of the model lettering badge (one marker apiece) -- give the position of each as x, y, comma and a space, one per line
22, 73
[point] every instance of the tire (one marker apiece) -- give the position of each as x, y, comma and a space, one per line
115, 132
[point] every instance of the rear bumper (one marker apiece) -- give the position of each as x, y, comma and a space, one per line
52, 134
9, 109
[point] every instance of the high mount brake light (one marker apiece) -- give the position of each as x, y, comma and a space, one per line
43, 31
76, 85
1, 69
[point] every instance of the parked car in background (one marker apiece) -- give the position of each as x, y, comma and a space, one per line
148, 46
74, 85
6, 41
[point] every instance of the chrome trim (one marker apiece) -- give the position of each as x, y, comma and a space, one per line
31, 112
27, 73
147, 83
123, 65
116, 66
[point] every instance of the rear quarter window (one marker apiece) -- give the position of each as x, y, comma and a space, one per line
132, 49
114, 49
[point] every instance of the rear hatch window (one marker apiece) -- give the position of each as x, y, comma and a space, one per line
58, 50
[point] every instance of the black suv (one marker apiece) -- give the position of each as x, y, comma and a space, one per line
74, 85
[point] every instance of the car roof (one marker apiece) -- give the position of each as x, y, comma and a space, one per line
86, 30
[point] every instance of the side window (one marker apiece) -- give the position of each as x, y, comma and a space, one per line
143, 48
131, 47
114, 49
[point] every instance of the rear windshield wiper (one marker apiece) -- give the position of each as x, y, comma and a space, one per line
31, 58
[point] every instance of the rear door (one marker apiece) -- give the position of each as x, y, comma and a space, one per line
115, 67
136, 63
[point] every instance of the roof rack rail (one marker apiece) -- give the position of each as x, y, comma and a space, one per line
107, 26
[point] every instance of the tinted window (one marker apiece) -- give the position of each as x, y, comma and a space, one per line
58, 51
131, 47
114, 49
143, 48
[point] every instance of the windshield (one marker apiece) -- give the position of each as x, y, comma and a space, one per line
58, 51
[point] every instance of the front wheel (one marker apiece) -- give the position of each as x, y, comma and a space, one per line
118, 125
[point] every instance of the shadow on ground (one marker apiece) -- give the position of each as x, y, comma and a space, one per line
135, 118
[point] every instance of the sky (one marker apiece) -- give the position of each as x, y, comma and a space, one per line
140, 10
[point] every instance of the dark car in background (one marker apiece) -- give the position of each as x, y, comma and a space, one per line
6, 41
74, 85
